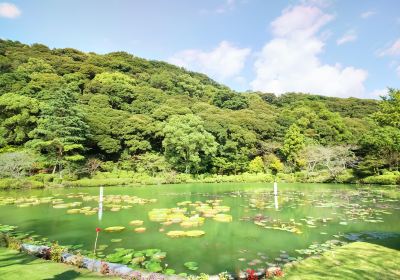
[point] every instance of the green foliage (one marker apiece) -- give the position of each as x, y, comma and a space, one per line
188, 146
389, 110
85, 113
56, 252
256, 165
293, 143
60, 132
15, 164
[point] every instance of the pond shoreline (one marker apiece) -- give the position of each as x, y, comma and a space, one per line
34, 182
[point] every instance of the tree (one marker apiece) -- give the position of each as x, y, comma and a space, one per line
18, 116
187, 145
119, 87
389, 110
273, 163
383, 143
152, 163
15, 164
256, 165
334, 158
293, 143
61, 131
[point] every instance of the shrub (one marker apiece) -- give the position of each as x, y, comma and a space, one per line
13, 242
56, 252
385, 179
20, 184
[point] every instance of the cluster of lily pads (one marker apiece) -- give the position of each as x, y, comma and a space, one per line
319, 248
150, 259
190, 214
25, 201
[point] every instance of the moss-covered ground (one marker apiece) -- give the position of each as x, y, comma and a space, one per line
358, 260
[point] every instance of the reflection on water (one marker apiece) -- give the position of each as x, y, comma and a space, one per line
276, 202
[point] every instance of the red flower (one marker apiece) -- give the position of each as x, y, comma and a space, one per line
98, 229
251, 274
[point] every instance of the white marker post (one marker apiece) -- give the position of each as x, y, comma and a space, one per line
276, 195
101, 203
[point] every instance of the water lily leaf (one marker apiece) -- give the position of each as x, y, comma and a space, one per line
223, 218
176, 233
169, 271
116, 240
114, 229
140, 229
138, 260
136, 223
195, 233
191, 265
154, 267
151, 252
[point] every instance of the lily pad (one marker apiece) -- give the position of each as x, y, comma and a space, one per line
195, 233
176, 233
140, 229
154, 267
136, 223
223, 218
191, 265
169, 271
114, 229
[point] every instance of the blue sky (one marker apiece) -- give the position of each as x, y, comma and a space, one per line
330, 47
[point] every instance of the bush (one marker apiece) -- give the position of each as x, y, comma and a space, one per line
20, 184
13, 242
347, 176
385, 179
56, 252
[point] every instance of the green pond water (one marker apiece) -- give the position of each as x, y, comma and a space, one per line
261, 231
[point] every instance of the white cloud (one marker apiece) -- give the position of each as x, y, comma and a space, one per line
367, 14
9, 10
223, 62
290, 61
394, 49
398, 70
349, 36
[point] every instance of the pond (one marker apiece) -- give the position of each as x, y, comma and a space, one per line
218, 227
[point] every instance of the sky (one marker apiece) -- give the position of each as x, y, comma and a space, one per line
343, 48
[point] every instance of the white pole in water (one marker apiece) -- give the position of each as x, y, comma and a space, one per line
276, 195
101, 203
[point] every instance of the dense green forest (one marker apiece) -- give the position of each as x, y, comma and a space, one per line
67, 115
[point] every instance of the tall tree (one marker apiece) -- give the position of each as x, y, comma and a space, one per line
293, 143
187, 145
61, 131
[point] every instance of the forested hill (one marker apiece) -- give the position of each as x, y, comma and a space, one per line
75, 111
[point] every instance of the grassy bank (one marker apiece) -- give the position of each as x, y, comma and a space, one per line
357, 260
130, 178
15, 265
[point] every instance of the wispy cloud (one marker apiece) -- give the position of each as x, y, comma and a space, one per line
367, 14
347, 37
224, 61
393, 49
8, 10
290, 61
